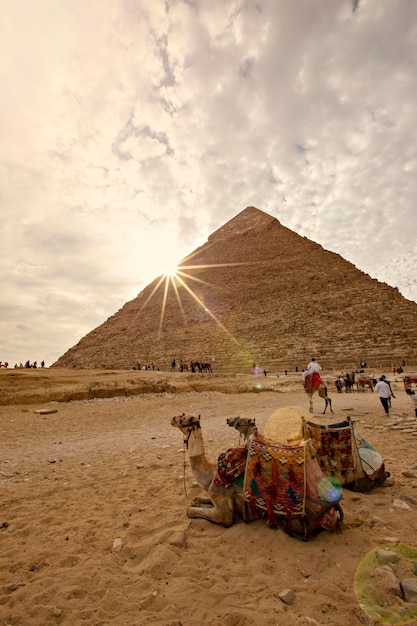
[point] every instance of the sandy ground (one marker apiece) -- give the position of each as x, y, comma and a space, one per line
93, 524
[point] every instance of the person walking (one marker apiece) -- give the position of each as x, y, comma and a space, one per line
384, 393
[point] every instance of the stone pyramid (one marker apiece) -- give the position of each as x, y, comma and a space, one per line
256, 292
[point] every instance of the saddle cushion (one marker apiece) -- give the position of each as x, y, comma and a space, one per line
230, 466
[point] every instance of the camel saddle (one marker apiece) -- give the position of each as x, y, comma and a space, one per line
313, 381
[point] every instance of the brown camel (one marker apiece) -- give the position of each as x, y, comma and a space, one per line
223, 504
245, 426
322, 391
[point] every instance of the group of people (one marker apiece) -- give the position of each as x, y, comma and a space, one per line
311, 377
146, 367
27, 365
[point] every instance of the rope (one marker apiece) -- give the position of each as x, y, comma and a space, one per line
184, 449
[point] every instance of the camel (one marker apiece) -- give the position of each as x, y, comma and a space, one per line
223, 504
246, 426
409, 380
365, 381
322, 391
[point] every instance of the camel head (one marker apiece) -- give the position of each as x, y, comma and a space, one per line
245, 426
186, 424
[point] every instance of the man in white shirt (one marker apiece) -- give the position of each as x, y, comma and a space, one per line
384, 393
312, 367
311, 376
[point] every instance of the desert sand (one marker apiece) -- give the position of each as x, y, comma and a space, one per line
93, 523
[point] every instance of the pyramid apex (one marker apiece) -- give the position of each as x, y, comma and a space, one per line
250, 218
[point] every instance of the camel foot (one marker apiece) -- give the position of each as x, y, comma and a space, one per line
210, 514
202, 501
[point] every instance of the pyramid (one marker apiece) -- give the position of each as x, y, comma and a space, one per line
256, 292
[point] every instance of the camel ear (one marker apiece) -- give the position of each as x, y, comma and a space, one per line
199, 418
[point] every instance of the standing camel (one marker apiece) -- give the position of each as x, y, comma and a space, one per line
223, 504
321, 388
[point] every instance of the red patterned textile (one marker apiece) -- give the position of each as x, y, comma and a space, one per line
230, 466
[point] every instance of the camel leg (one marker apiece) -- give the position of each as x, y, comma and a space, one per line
328, 402
220, 513
310, 397
202, 501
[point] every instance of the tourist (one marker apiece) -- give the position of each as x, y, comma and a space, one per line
311, 376
312, 367
384, 393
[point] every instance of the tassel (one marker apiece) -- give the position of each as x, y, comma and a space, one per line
270, 509
254, 487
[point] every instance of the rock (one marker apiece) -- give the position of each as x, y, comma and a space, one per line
178, 540
117, 545
386, 557
388, 581
409, 474
368, 616
287, 596
408, 499
57, 612
399, 504
409, 589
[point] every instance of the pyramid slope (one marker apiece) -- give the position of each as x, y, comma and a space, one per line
262, 293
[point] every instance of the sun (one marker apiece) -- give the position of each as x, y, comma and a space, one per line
171, 271
179, 277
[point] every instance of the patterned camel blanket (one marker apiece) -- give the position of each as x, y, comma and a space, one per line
275, 479
231, 467
336, 449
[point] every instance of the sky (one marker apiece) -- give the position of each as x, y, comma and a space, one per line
133, 129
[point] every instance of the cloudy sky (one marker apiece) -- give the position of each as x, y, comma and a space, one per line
132, 129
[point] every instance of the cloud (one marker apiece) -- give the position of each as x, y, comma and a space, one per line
133, 131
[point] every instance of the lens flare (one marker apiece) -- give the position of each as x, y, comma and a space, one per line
382, 584
178, 277
330, 490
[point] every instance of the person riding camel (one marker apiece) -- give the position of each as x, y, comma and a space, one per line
311, 375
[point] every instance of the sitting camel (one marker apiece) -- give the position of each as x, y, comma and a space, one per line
314, 383
245, 426
223, 504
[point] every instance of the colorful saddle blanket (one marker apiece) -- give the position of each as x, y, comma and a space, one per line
286, 481
334, 447
231, 466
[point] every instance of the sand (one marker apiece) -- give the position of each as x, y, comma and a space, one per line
93, 524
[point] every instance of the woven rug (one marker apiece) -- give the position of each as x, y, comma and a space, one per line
334, 447
231, 466
275, 478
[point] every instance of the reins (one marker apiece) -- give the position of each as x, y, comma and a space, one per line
193, 427
186, 439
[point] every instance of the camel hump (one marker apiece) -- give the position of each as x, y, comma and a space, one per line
285, 424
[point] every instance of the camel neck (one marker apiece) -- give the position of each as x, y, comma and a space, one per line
196, 443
